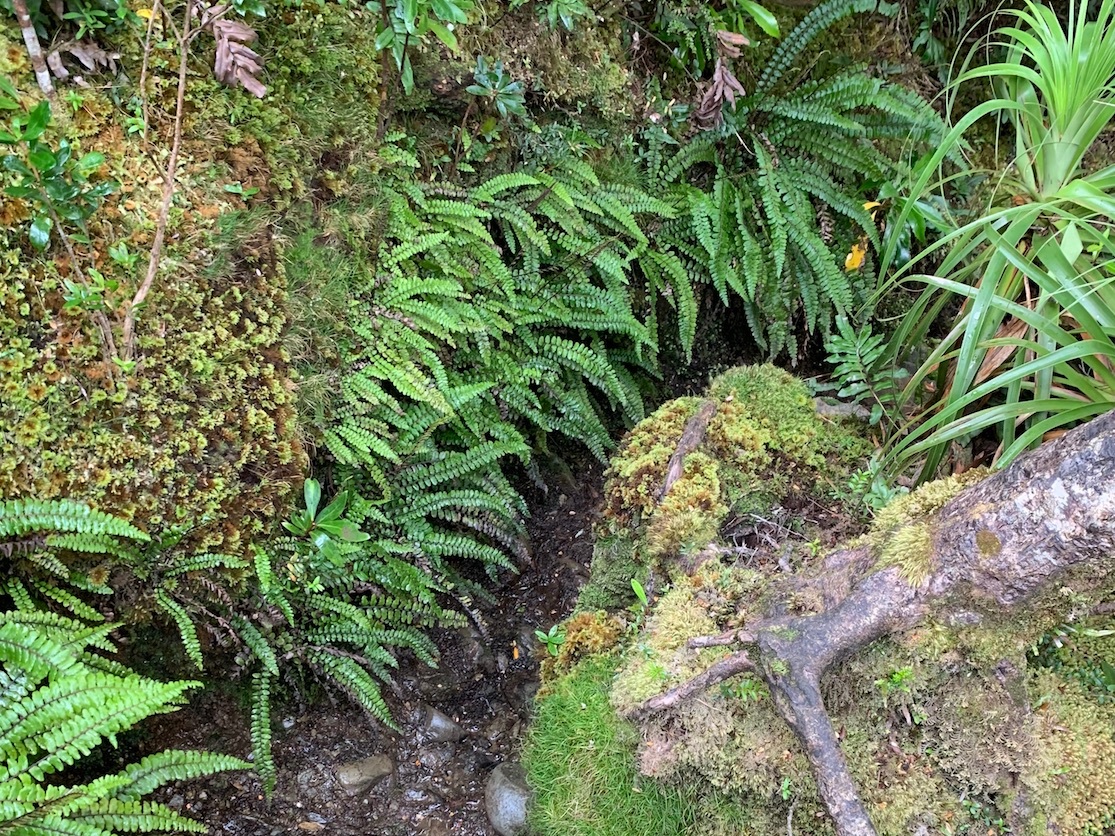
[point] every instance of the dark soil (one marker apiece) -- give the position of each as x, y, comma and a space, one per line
485, 683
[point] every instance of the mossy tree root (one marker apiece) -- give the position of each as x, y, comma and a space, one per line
996, 548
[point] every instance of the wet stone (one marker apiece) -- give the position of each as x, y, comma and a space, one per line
507, 797
435, 757
358, 776
438, 727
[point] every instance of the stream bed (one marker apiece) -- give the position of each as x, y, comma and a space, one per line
341, 772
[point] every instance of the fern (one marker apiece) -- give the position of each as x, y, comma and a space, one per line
58, 704
774, 197
186, 629
260, 697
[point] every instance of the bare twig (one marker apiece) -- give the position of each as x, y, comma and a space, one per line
34, 48
726, 668
691, 438
156, 8
184, 36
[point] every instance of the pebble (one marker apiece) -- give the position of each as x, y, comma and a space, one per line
358, 776
438, 727
507, 798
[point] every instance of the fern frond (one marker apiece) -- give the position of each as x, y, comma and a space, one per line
260, 696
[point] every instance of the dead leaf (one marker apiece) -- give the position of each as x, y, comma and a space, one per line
235, 63
310, 826
92, 57
723, 89
729, 43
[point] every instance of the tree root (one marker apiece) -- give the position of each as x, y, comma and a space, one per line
991, 550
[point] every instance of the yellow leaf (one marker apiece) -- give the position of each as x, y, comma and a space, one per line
855, 258
872, 206
144, 13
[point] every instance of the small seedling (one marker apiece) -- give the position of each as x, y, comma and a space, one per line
239, 189
553, 639
640, 593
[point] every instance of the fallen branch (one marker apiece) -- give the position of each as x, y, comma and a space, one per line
691, 438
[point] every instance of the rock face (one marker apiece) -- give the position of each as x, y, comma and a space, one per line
507, 798
359, 776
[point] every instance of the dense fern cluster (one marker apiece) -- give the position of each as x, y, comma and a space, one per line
499, 316
773, 198
59, 699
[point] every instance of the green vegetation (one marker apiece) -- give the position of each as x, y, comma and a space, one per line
60, 700
278, 363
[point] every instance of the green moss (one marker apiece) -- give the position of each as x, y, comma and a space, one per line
764, 444
580, 759
1072, 774
910, 549
659, 659
614, 564
988, 543
902, 532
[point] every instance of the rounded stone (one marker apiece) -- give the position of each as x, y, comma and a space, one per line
507, 799
358, 776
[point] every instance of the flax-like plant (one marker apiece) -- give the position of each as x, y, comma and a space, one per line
1032, 349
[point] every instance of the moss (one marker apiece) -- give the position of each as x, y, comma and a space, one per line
988, 543
1072, 775
902, 532
689, 516
586, 634
910, 549
580, 760
764, 444
660, 660
614, 564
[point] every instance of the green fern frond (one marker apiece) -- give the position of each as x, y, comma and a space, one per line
186, 628
355, 681
260, 697
22, 517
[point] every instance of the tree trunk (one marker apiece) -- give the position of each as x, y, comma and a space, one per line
1039, 525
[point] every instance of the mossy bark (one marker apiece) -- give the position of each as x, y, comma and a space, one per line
1031, 542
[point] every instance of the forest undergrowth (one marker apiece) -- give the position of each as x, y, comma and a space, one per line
296, 297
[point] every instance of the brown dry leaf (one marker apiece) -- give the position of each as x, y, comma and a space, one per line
1012, 329
90, 55
729, 43
724, 88
235, 63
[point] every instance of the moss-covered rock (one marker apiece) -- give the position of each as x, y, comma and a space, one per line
953, 726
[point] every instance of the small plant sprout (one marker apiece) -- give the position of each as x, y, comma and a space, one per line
640, 593
553, 639
493, 84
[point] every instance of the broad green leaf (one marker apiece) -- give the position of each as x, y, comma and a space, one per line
42, 158
40, 232
312, 492
762, 16
37, 121
444, 34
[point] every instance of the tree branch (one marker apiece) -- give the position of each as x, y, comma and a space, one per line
184, 37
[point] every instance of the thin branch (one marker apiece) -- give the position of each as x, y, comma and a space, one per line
156, 9
168, 186
726, 668
34, 48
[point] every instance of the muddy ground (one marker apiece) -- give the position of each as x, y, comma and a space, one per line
485, 685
